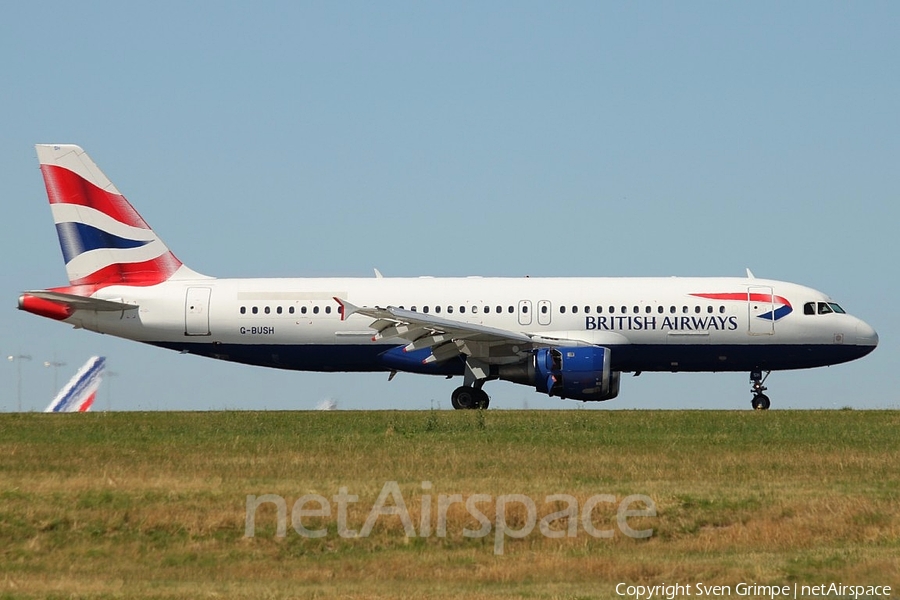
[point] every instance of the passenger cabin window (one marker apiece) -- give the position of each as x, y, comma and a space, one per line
243, 310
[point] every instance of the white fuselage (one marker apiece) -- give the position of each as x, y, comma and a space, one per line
650, 324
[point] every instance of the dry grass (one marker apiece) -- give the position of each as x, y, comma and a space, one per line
152, 505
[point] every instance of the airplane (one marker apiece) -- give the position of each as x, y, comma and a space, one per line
79, 393
565, 337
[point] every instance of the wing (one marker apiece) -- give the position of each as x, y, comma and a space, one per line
448, 338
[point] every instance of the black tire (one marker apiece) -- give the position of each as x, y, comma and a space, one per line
760, 402
463, 398
467, 398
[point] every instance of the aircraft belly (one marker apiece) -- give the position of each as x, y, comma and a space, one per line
731, 357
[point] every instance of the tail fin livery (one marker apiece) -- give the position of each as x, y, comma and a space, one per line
104, 241
78, 395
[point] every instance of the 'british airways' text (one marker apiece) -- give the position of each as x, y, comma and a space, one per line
640, 323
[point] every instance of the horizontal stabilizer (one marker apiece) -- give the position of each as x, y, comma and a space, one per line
82, 302
61, 306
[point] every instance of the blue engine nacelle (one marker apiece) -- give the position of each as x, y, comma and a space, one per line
580, 373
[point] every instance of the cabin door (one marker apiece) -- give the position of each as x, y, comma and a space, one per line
196, 311
761, 307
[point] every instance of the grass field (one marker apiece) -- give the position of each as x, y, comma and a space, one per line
153, 505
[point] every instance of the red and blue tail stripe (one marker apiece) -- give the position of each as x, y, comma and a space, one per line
104, 241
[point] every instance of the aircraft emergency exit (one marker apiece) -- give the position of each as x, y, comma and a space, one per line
565, 337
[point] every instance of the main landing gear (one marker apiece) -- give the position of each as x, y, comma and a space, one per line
760, 401
470, 398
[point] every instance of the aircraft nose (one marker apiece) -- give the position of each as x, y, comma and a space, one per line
865, 335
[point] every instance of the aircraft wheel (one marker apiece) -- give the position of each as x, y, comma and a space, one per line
467, 398
482, 400
760, 402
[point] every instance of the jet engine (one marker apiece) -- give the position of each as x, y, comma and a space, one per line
579, 373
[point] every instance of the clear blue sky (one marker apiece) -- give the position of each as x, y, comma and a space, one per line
504, 138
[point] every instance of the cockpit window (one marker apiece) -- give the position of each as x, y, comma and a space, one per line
822, 308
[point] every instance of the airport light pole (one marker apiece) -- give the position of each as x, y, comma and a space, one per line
56, 365
18, 358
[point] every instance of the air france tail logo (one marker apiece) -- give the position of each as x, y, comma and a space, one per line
78, 395
782, 311
103, 239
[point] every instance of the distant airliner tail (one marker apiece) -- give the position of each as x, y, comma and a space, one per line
78, 395
104, 240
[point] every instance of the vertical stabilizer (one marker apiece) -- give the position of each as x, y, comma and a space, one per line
104, 240
78, 395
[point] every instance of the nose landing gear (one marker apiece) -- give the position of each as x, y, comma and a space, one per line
760, 401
